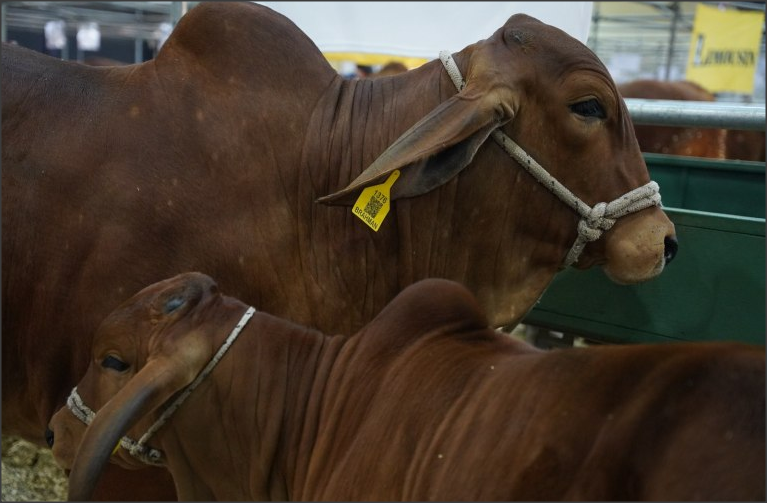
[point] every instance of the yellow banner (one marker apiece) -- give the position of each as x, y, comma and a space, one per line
724, 49
361, 58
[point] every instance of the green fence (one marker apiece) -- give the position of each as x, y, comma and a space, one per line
718, 186
713, 290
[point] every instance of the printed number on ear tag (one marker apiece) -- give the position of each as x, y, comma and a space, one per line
373, 204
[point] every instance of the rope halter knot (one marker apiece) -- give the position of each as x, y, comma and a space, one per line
139, 449
594, 220
592, 225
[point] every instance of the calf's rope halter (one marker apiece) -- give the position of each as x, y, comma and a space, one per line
594, 220
139, 449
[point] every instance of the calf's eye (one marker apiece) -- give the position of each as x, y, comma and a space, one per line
589, 108
173, 304
112, 362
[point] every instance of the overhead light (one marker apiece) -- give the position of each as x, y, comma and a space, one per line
88, 36
55, 34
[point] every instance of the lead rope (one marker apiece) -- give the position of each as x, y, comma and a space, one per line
594, 220
139, 449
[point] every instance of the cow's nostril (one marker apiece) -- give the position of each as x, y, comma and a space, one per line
49, 437
671, 246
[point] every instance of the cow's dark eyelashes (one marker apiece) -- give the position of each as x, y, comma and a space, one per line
589, 108
112, 362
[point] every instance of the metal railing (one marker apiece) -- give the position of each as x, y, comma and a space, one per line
697, 114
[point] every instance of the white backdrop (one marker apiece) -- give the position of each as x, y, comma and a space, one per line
421, 29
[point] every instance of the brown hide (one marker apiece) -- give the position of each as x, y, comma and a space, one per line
695, 142
390, 68
212, 156
426, 402
100, 61
746, 145
698, 142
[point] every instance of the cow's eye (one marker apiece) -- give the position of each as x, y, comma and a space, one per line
112, 362
589, 108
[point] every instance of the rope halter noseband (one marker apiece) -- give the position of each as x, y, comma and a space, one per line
594, 220
139, 449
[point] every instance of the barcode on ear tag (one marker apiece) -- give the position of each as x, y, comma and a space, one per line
374, 202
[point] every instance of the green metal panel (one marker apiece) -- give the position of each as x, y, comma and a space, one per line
713, 185
714, 290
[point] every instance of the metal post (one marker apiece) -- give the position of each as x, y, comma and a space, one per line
707, 114
670, 56
595, 30
138, 50
3, 29
176, 12
138, 43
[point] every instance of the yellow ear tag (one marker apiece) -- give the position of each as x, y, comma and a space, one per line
373, 204
116, 447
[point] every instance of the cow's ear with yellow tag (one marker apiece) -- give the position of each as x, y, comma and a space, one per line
374, 202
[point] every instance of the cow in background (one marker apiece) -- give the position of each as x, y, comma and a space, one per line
688, 141
390, 68
746, 145
102, 61
212, 157
426, 402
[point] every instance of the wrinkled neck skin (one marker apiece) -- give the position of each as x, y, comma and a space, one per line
476, 229
507, 269
245, 438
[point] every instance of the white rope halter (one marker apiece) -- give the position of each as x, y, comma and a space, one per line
139, 449
594, 220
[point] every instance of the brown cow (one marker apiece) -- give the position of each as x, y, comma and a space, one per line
100, 61
390, 68
688, 141
746, 145
212, 156
427, 402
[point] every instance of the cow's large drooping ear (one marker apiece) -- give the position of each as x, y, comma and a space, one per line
437, 147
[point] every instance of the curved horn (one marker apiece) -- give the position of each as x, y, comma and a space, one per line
436, 148
147, 390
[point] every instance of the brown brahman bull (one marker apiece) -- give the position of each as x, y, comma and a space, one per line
746, 145
688, 141
426, 402
212, 157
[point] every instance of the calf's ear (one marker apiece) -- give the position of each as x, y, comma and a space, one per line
152, 386
436, 148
